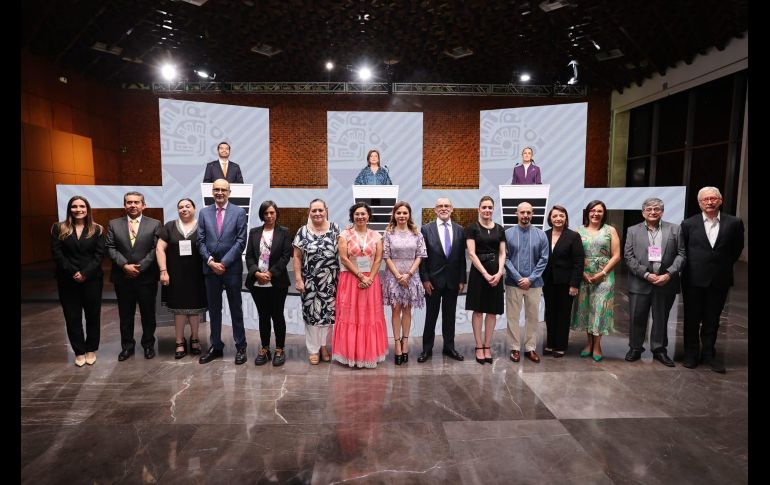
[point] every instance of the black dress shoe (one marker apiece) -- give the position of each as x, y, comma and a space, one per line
664, 359
149, 352
125, 354
633, 355
453, 354
240, 356
210, 355
424, 356
690, 363
715, 366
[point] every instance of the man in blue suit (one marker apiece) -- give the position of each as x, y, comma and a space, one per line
221, 240
223, 168
443, 275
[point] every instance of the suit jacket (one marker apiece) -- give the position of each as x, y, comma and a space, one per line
635, 255
441, 271
142, 252
73, 254
214, 172
707, 266
533, 175
565, 260
227, 247
280, 253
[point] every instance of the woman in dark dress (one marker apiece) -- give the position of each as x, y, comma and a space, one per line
561, 279
485, 241
181, 274
77, 244
267, 254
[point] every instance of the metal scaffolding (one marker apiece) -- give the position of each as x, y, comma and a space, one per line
434, 89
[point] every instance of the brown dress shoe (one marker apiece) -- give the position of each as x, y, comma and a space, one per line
515, 355
532, 355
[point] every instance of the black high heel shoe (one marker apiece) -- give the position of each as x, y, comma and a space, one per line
195, 350
179, 354
482, 360
397, 358
404, 355
488, 360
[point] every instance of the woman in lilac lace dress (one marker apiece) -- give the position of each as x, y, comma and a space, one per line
403, 247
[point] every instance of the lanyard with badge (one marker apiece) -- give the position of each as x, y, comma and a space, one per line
363, 262
654, 251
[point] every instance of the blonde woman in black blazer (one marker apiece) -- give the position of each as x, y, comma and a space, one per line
561, 279
77, 244
267, 253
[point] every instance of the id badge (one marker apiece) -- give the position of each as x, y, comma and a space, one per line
654, 254
364, 265
185, 248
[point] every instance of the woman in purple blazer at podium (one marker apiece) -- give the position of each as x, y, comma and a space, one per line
373, 173
526, 172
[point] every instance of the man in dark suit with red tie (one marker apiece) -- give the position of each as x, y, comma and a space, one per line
713, 242
443, 274
223, 168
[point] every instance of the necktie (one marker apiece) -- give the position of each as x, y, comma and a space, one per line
219, 220
447, 241
132, 231
224, 170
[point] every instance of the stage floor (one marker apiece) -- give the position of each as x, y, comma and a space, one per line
564, 420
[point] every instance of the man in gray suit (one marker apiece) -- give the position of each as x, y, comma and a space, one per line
131, 244
655, 255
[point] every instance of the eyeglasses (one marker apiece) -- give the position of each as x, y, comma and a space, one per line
653, 209
711, 199
595, 211
443, 206
219, 190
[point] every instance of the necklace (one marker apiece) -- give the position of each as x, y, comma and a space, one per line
361, 245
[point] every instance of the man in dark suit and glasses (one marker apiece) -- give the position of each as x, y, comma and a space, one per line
131, 244
713, 242
221, 239
654, 254
223, 168
443, 275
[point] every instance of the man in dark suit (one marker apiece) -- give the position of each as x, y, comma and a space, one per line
223, 168
654, 254
443, 275
713, 242
131, 244
221, 240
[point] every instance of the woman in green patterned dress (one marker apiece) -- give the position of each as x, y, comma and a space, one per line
593, 308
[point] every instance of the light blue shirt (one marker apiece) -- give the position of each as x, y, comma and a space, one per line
526, 255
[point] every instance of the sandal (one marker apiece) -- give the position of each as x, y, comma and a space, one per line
195, 350
178, 354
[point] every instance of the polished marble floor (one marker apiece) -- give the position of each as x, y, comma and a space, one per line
564, 420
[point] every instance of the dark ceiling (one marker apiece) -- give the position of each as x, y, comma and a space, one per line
616, 43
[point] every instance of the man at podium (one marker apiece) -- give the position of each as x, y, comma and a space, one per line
223, 168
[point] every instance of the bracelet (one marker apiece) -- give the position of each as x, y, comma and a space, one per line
163, 271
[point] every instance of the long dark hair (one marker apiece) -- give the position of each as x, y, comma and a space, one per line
67, 226
410, 223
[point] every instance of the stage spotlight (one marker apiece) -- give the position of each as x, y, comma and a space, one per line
202, 74
364, 73
168, 72
329, 65
524, 77
574, 65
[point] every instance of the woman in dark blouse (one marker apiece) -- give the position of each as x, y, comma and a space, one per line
77, 244
561, 279
267, 254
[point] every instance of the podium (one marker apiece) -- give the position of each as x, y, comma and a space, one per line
512, 195
381, 198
